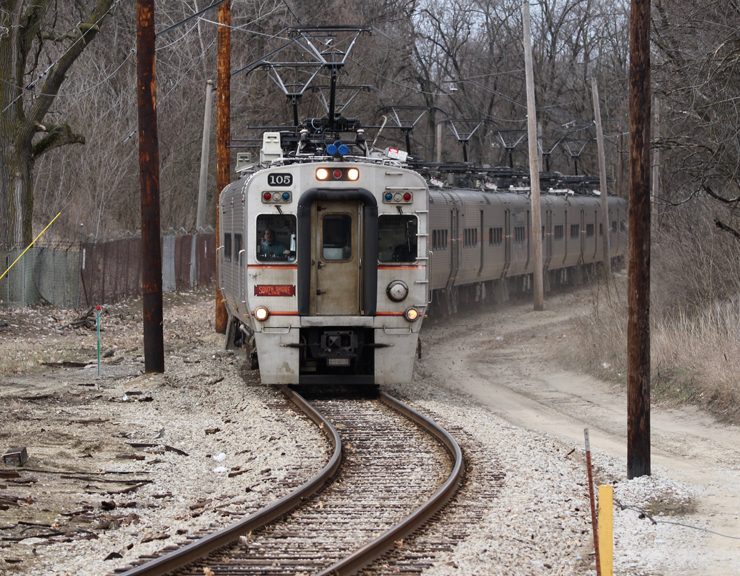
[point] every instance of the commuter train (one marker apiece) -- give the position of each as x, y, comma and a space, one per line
331, 253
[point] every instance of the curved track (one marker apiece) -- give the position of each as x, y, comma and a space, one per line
390, 466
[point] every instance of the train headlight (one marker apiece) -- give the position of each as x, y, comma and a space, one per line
353, 174
262, 313
411, 314
322, 174
397, 291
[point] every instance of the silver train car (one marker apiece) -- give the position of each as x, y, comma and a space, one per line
323, 266
329, 262
482, 241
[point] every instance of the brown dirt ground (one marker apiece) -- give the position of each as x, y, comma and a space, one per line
505, 357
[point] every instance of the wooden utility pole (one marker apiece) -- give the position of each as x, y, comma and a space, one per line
620, 165
151, 247
223, 137
534, 168
200, 218
638, 297
602, 178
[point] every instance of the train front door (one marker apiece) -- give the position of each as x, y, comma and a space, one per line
336, 258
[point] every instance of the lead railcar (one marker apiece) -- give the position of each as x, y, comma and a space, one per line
324, 264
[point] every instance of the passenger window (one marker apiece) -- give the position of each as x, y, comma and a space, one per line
275, 237
238, 247
227, 247
519, 235
336, 243
397, 237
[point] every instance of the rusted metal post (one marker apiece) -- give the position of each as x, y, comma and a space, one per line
151, 249
534, 164
594, 523
223, 131
638, 298
602, 178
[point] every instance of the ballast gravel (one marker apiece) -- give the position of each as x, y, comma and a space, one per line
541, 521
244, 451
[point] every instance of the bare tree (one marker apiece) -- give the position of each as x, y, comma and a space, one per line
698, 79
39, 42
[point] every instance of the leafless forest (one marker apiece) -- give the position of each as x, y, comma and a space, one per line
69, 117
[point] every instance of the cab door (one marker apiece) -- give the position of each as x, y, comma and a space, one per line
336, 258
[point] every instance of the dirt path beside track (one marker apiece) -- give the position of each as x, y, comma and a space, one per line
507, 359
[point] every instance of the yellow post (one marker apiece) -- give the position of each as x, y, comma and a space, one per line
606, 530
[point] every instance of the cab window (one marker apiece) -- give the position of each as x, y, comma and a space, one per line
397, 238
336, 237
276, 237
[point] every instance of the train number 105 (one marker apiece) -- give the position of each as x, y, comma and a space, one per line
280, 179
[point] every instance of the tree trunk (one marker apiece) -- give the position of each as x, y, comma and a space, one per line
16, 195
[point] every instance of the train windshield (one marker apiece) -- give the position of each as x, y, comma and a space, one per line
397, 238
276, 237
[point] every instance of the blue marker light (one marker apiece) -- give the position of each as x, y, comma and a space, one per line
389, 196
286, 195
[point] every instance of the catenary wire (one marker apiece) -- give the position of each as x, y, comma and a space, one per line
83, 91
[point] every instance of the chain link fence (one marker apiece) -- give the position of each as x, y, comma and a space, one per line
89, 273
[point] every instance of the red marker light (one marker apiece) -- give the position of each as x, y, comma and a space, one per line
407, 196
267, 196
337, 174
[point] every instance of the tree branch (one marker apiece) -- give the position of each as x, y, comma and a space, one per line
716, 196
56, 135
56, 75
726, 228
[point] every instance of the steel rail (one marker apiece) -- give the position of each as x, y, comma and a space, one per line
418, 517
200, 548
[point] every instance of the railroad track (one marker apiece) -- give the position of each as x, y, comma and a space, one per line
394, 476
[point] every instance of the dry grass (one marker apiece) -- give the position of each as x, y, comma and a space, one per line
695, 354
698, 358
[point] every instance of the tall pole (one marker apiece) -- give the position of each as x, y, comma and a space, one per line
439, 142
534, 168
223, 132
638, 298
620, 166
655, 190
602, 178
200, 218
151, 248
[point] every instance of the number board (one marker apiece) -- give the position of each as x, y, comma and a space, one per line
278, 179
